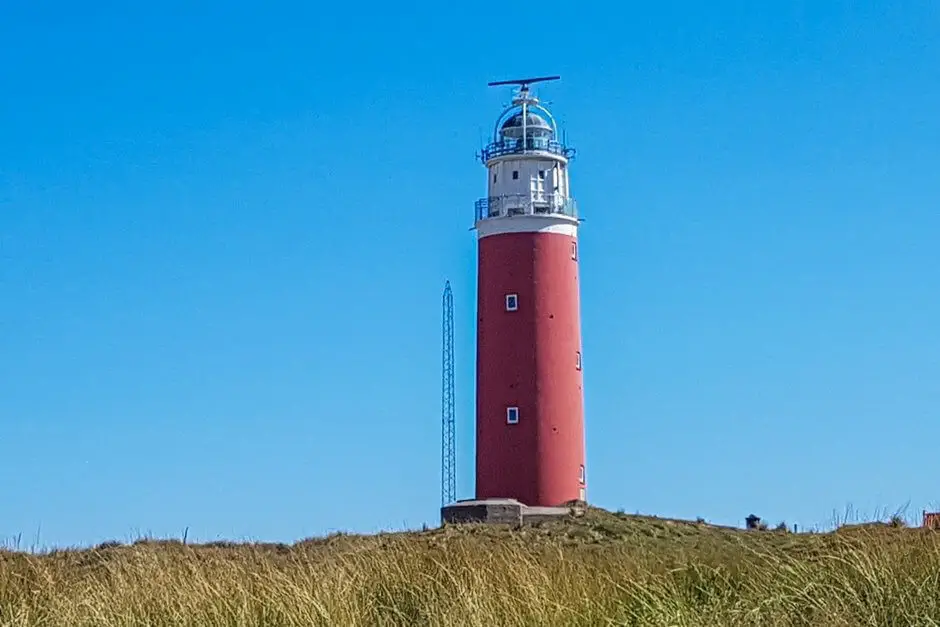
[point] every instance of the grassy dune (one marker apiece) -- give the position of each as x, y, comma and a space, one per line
599, 569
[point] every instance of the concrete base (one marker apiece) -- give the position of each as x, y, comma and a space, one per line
503, 512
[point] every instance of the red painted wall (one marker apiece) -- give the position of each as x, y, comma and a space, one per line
528, 358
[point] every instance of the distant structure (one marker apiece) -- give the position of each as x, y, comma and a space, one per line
530, 444
931, 520
448, 413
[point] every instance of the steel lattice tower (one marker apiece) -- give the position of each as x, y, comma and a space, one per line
448, 413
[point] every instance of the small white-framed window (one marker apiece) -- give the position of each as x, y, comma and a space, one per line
512, 302
512, 415
574, 250
541, 175
577, 360
581, 474
515, 174
581, 495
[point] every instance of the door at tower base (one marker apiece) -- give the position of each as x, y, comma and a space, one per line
530, 416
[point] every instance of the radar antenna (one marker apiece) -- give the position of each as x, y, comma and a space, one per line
524, 82
522, 95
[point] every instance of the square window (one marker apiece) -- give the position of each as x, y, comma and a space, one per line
512, 302
574, 250
515, 174
512, 415
581, 474
577, 360
542, 175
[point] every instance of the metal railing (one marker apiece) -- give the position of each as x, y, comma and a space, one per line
525, 205
510, 146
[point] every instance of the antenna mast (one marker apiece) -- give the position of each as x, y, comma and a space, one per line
448, 413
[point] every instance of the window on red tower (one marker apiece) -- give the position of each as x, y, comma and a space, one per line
574, 250
581, 474
512, 302
577, 360
512, 415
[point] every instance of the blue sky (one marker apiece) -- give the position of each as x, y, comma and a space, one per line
224, 232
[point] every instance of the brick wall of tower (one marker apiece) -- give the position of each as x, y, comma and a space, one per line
529, 359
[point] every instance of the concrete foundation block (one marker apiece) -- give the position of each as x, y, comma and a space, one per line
493, 511
503, 512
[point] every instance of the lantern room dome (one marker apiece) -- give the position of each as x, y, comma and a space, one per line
532, 120
535, 126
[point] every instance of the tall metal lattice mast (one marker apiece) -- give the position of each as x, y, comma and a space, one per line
448, 414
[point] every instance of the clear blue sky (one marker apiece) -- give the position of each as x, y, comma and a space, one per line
224, 232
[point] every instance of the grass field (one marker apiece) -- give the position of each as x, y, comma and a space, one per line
598, 569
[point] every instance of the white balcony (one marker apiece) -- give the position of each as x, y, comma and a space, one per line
525, 205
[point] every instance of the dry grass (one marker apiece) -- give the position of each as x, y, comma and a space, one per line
602, 569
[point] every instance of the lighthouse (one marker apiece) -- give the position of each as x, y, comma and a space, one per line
530, 443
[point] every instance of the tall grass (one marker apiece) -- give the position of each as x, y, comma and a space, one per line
590, 576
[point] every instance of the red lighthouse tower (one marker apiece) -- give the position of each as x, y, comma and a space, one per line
529, 404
